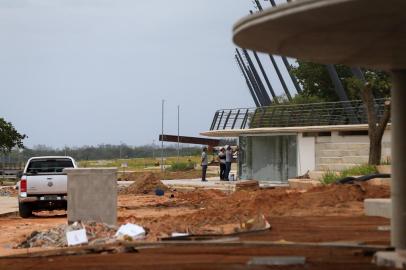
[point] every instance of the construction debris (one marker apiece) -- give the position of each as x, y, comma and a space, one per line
130, 232
97, 233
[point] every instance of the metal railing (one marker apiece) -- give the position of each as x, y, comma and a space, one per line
313, 114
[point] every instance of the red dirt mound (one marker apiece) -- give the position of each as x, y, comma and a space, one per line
198, 197
144, 185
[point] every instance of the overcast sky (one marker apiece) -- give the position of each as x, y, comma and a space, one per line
85, 72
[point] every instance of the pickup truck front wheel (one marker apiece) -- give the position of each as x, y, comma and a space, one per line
25, 210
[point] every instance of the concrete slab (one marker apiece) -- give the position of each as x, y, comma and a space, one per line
378, 207
212, 183
8, 205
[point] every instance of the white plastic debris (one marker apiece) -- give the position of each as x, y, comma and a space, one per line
132, 230
178, 234
76, 237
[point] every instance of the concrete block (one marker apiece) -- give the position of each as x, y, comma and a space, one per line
303, 183
335, 167
341, 153
391, 259
378, 207
356, 159
92, 195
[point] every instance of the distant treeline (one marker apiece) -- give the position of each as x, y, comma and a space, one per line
103, 151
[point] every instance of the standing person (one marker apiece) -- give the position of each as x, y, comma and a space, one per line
204, 164
222, 162
229, 159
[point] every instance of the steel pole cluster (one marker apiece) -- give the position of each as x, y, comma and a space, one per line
259, 91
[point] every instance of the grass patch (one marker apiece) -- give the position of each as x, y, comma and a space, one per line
182, 166
331, 177
138, 163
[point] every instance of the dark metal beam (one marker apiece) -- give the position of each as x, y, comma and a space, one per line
190, 140
257, 78
254, 85
254, 97
342, 95
357, 72
268, 83
284, 58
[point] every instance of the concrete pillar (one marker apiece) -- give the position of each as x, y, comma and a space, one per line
398, 189
92, 195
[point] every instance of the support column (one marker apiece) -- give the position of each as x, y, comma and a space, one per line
398, 189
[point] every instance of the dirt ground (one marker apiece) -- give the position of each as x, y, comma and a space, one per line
323, 214
167, 175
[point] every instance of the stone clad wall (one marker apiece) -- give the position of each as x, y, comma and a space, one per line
337, 153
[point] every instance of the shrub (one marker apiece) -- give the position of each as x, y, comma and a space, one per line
182, 166
331, 177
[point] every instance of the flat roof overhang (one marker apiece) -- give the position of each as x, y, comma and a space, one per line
283, 130
367, 33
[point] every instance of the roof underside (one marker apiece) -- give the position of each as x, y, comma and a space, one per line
369, 33
283, 130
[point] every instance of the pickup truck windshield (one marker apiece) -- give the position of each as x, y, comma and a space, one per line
48, 165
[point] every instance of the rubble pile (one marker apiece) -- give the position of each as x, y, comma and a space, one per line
97, 233
147, 184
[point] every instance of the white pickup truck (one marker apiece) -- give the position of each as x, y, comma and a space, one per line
43, 185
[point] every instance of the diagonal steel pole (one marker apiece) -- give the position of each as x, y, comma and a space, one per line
284, 58
268, 83
255, 85
247, 82
278, 72
257, 78
257, 91
342, 95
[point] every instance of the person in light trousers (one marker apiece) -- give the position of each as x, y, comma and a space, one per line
204, 164
229, 159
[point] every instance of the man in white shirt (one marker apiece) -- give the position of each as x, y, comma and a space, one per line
204, 164
229, 159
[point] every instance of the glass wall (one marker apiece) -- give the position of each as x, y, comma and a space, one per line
268, 158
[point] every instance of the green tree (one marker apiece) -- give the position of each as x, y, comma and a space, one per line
9, 137
316, 82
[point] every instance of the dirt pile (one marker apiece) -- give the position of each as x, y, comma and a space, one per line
146, 184
199, 196
222, 213
97, 233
